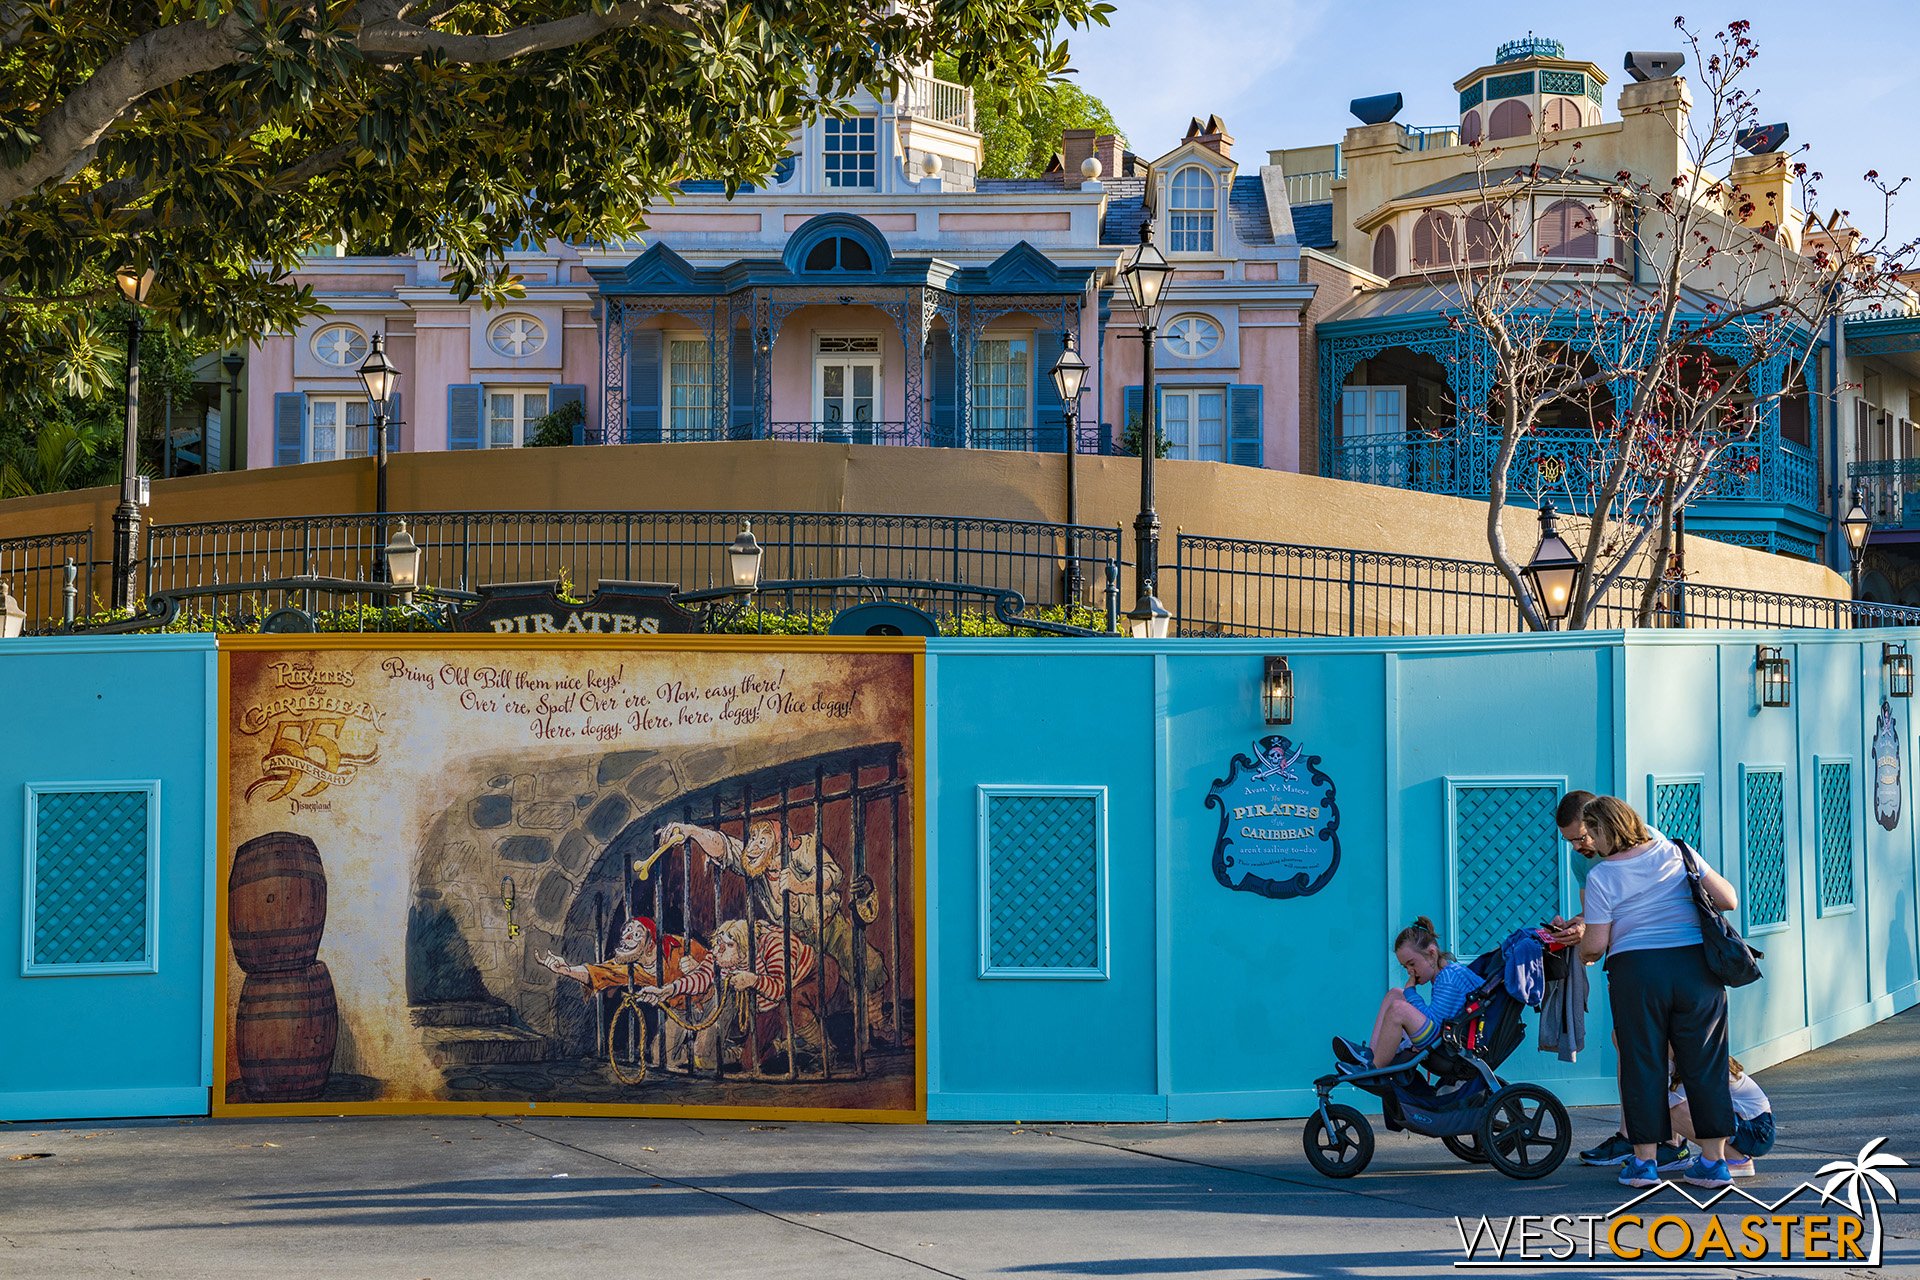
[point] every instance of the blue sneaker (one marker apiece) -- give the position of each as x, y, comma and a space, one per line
1639, 1173
1712, 1174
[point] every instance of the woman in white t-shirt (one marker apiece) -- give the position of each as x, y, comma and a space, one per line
1641, 916
1753, 1128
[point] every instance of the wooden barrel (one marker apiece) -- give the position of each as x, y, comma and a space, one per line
284, 1033
276, 903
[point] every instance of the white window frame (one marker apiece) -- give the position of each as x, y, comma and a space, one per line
352, 365
343, 403
866, 162
875, 359
522, 420
1023, 431
1190, 394
1166, 337
699, 423
1207, 215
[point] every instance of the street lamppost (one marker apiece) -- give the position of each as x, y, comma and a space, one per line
1145, 276
232, 362
1070, 380
134, 284
1554, 572
1857, 526
379, 377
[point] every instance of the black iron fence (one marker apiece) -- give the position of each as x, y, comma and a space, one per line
467, 549
35, 569
1234, 586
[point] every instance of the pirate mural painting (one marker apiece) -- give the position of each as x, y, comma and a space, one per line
765, 981
802, 888
633, 964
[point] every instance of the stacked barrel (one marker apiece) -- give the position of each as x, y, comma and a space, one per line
287, 1022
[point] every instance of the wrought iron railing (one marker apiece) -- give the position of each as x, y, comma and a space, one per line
1432, 137
467, 549
1889, 489
1233, 586
35, 569
1045, 438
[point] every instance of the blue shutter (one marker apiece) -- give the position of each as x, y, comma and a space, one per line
561, 394
289, 428
213, 430
945, 422
463, 415
740, 388
1130, 402
393, 423
1245, 445
643, 387
1049, 411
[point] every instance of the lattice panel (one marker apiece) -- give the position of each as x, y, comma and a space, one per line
1043, 905
1470, 96
1571, 83
90, 878
1836, 835
1507, 866
1765, 834
1676, 811
1511, 85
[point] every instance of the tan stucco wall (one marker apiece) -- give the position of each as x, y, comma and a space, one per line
1199, 497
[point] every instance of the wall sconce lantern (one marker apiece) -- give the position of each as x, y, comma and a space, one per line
403, 562
744, 559
1149, 619
1775, 674
1276, 691
1898, 664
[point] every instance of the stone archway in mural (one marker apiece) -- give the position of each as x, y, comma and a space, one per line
560, 841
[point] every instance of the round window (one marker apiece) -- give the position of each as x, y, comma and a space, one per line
516, 335
1190, 337
340, 345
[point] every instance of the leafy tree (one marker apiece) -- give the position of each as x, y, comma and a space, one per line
1021, 122
217, 139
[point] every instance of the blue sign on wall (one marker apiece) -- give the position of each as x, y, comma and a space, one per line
1279, 827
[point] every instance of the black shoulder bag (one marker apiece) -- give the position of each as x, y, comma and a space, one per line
1730, 957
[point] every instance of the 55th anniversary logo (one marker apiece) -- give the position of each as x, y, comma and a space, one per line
1812, 1226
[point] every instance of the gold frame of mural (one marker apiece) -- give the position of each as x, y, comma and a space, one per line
914, 786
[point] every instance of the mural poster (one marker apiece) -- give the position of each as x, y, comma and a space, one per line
479, 874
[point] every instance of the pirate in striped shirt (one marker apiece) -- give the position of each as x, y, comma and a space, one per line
812, 983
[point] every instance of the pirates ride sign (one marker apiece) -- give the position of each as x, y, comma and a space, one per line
1279, 826
617, 608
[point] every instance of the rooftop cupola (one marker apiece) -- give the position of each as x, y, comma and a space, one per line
1531, 87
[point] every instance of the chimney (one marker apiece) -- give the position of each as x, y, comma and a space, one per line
1766, 182
1212, 135
1076, 145
1108, 150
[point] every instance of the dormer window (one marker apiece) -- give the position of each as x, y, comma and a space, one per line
852, 152
838, 253
1190, 211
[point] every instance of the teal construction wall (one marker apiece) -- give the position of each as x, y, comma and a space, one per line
116, 717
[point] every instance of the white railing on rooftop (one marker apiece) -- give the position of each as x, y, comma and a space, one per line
940, 100
1314, 187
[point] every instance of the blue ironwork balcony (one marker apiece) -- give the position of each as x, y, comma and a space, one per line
1889, 490
1094, 438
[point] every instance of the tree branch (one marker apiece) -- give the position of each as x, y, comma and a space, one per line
383, 38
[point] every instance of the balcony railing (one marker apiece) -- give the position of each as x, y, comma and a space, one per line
1889, 490
1093, 438
1312, 187
1432, 137
940, 100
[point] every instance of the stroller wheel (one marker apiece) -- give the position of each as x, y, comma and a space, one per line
1525, 1132
1466, 1146
1340, 1151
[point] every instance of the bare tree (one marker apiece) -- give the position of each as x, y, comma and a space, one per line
1637, 387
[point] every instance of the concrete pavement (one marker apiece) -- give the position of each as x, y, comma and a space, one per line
469, 1198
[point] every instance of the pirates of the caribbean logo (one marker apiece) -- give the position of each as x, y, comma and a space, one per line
316, 736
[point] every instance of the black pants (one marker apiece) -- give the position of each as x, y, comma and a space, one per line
1661, 998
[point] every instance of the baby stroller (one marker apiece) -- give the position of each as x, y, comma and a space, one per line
1448, 1090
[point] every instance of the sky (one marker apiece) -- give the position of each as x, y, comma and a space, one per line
1280, 73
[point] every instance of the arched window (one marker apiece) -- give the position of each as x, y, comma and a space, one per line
1567, 229
1511, 119
340, 345
1486, 232
1433, 238
1560, 113
1386, 252
1190, 211
838, 253
1470, 128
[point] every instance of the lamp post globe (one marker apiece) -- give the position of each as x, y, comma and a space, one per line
1553, 574
1857, 525
743, 559
402, 558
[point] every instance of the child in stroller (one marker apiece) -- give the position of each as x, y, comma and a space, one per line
1406, 1021
1442, 1083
